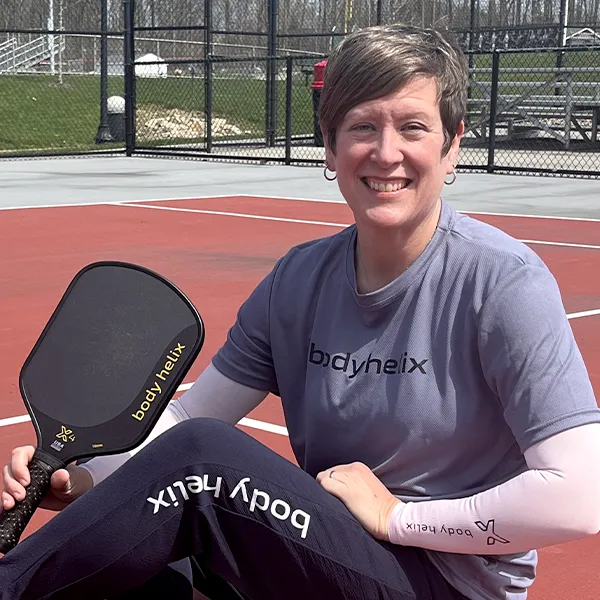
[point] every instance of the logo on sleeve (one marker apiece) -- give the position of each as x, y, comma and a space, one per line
490, 528
404, 364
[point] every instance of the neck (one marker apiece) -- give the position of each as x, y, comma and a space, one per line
382, 255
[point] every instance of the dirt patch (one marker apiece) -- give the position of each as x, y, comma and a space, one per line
158, 123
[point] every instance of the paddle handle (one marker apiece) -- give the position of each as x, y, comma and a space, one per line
14, 521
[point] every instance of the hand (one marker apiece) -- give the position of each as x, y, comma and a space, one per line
363, 494
66, 485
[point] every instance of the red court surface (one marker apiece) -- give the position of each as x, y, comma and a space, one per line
217, 259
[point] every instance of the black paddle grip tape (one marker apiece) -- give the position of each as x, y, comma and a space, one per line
14, 521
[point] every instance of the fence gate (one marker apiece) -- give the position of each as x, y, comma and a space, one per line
167, 77
216, 79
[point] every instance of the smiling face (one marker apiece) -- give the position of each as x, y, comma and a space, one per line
388, 158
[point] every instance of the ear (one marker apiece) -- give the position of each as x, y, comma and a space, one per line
329, 153
452, 155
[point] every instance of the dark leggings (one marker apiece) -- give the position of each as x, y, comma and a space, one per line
208, 490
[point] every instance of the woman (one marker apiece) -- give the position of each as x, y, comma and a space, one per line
436, 401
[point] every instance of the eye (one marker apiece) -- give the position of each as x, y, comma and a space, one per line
363, 127
414, 127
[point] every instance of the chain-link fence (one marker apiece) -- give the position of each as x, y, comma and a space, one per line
534, 111
248, 118
50, 74
50, 90
227, 80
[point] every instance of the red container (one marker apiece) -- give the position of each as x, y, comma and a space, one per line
319, 75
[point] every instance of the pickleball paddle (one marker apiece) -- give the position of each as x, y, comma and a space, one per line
104, 368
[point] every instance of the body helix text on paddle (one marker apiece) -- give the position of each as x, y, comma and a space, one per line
152, 392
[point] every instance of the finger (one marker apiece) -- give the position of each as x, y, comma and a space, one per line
11, 486
335, 485
344, 467
60, 481
340, 468
355, 467
323, 475
338, 490
327, 474
72, 482
327, 481
328, 485
61, 487
7, 501
20, 458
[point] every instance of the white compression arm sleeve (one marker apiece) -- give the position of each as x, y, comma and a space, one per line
555, 501
212, 395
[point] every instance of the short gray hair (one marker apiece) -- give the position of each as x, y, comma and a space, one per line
376, 61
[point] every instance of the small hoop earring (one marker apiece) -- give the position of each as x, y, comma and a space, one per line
453, 174
327, 177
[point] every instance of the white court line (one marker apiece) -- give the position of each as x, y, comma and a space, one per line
14, 420
135, 204
184, 198
71, 205
268, 197
579, 315
177, 199
253, 423
565, 244
262, 425
495, 214
308, 222
232, 214
341, 201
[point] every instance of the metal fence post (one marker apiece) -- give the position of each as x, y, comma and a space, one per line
472, 19
271, 91
493, 109
103, 134
289, 63
208, 73
563, 18
129, 70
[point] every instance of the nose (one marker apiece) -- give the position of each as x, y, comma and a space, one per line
388, 149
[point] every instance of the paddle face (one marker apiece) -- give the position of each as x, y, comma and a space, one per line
109, 360
106, 365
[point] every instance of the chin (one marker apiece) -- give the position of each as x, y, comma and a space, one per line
387, 216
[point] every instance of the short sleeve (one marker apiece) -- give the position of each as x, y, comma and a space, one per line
530, 358
246, 356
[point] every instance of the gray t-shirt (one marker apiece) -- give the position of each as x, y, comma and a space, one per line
438, 382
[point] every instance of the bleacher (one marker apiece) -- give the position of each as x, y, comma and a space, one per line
17, 56
542, 103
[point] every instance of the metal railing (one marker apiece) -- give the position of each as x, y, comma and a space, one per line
19, 57
8, 45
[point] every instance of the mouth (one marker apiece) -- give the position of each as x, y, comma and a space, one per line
386, 185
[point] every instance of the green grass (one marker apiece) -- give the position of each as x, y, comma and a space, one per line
240, 102
38, 114
508, 79
539, 60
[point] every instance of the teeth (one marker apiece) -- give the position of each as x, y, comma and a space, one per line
385, 187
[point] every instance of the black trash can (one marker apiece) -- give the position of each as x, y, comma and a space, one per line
116, 117
317, 86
